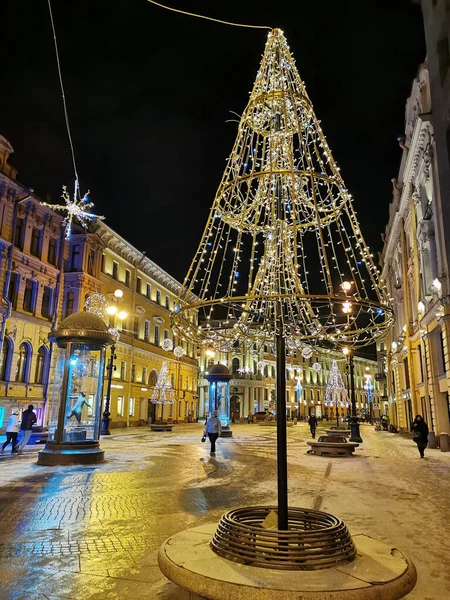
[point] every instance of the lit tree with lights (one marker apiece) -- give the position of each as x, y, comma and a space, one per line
282, 255
335, 392
163, 392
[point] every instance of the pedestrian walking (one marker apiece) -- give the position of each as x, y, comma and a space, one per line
250, 418
12, 431
28, 420
213, 429
232, 418
420, 434
312, 421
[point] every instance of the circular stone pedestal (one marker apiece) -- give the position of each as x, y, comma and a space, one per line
54, 454
379, 572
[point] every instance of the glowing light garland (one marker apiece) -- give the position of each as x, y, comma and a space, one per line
76, 208
97, 304
316, 366
282, 250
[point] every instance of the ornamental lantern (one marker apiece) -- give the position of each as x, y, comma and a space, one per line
219, 395
75, 410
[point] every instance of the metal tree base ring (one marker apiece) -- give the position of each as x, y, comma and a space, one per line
315, 540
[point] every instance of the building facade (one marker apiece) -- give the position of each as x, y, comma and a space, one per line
415, 269
45, 278
30, 279
101, 261
253, 387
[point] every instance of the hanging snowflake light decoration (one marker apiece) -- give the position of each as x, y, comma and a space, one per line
75, 207
167, 345
316, 366
178, 351
97, 304
243, 370
307, 352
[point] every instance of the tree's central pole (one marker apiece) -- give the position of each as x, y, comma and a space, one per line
281, 433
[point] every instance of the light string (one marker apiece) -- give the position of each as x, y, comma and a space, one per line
189, 14
66, 116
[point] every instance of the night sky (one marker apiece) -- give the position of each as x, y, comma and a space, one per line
149, 93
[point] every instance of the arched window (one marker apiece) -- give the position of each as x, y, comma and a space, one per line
5, 368
234, 365
153, 378
23, 365
40, 375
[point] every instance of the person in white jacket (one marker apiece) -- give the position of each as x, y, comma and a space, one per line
12, 431
213, 429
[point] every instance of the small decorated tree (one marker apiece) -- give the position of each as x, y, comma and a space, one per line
163, 392
335, 392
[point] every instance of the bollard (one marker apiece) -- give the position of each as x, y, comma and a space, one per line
443, 442
432, 440
295, 420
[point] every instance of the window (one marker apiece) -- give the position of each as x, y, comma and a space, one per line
127, 277
23, 365
144, 375
5, 368
19, 233
158, 296
75, 261
133, 373
153, 378
120, 406
91, 262
35, 247
68, 307
51, 254
41, 360
146, 331
131, 407
234, 365
103, 263
166, 334
123, 370
115, 270
148, 291
138, 284
46, 302
29, 296
136, 326
167, 302
13, 290
156, 336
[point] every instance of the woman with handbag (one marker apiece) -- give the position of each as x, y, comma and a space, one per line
213, 429
420, 434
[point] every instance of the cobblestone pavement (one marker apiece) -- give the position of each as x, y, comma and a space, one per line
93, 532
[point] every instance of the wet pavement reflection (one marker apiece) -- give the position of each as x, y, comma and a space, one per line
93, 532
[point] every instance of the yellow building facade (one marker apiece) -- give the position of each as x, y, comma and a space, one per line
101, 261
416, 273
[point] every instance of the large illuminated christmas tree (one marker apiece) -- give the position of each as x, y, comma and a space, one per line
282, 255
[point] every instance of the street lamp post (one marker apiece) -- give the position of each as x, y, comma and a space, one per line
106, 414
112, 312
355, 435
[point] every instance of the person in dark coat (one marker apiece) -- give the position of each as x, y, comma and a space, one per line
420, 434
312, 421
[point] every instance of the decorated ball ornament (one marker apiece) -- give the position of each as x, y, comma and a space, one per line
178, 351
167, 345
307, 352
316, 366
261, 365
97, 304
